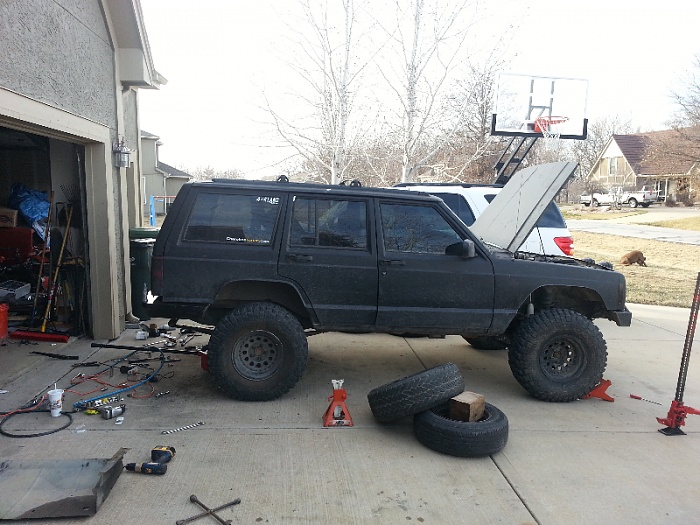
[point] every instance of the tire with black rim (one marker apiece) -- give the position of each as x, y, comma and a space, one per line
416, 393
258, 352
558, 355
486, 343
466, 439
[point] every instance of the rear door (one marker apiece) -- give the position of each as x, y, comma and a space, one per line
422, 287
329, 253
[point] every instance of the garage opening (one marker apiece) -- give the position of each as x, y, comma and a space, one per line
43, 253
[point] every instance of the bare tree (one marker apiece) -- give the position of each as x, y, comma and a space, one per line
429, 43
687, 98
330, 66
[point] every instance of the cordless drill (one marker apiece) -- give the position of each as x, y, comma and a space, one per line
159, 457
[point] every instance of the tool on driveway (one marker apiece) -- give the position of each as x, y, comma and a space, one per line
182, 428
57, 356
108, 411
337, 414
600, 391
159, 457
208, 511
678, 411
633, 396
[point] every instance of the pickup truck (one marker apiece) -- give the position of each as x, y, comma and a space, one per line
643, 198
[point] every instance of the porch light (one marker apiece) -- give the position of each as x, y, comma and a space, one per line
121, 154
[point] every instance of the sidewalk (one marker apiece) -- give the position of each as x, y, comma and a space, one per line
585, 462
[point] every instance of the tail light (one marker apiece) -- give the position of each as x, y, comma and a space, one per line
565, 244
157, 275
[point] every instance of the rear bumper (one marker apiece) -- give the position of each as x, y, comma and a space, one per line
158, 308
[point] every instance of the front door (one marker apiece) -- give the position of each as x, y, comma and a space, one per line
422, 287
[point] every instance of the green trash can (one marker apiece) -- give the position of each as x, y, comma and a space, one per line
141, 241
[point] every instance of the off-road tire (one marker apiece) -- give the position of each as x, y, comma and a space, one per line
465, 439
558, 355
257, 352
415, 393
486, 343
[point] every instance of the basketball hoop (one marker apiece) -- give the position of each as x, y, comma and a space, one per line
550, 127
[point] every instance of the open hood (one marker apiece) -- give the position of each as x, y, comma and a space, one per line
514, 212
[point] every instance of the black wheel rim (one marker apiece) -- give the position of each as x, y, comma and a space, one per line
258, 355
561, 359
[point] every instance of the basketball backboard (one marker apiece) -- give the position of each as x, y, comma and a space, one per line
538, 106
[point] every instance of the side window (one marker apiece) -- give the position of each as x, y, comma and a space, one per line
227, 218
415, 229
326, 222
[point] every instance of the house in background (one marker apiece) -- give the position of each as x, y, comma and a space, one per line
666, 161
159, 180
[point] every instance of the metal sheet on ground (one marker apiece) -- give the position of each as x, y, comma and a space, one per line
56, 488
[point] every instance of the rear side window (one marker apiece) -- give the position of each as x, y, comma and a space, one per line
327, 222
459, 206
551, 217
228, 218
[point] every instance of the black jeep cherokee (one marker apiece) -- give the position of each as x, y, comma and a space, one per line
268, 263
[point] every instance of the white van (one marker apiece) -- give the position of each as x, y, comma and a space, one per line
551, 236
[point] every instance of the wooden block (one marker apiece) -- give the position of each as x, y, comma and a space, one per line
467, 406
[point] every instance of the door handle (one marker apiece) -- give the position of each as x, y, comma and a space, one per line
392, 262
299, 258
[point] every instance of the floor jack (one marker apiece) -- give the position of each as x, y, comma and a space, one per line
678, 411
337, 414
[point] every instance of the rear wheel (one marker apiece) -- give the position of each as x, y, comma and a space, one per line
558, 355
257, 352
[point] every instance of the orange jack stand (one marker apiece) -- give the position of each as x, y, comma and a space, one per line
337, 414
599, 391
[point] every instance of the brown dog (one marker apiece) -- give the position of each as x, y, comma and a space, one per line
633, 257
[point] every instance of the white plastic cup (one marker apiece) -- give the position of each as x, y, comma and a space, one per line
56, 401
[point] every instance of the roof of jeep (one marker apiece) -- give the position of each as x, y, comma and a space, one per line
308, 187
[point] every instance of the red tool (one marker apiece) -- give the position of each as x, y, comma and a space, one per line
678, 411
633, 396
600, 391
337, 414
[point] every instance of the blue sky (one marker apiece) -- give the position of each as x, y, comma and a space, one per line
217, 54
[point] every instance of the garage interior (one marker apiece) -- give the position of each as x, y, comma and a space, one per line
44, 277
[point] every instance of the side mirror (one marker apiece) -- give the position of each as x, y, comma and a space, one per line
465, 249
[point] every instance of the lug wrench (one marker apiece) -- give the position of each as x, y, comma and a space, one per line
209, 512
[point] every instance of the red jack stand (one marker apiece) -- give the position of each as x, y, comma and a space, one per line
337, 414
678, 411
600, 391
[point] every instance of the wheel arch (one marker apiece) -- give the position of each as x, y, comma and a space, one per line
235, 293
585, 301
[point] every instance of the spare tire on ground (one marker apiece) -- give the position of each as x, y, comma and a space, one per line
434, 429
416, 393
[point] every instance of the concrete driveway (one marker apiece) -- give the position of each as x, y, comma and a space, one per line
590, 461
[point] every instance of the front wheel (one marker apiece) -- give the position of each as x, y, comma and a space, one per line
257, 352
558, 355
632, 203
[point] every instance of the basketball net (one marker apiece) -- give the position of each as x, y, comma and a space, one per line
550, 127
